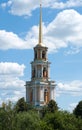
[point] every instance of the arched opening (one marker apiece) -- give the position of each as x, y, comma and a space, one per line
46, 96
33, 73
31, 96
43, 55
44, 72
35, 54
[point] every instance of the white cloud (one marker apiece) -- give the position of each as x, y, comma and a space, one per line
64, 31
11, 86
9, 75
13, 83
67, 4
11, 89
72, 50
9, 68
11, 95
4, 5
20, 7
74, 88
9, 40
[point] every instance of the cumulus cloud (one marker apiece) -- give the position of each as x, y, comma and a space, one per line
13, 83
66, 4
4, 5
74, 88
64, 31
9, 68
9, 40
11, 86
11, 95
20, 7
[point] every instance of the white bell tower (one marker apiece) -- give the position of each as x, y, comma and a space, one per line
40, 90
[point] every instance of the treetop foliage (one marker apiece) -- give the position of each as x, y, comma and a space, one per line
78, 110
23, 116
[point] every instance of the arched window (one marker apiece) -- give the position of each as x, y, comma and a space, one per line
35, 54
43, 55
46, 95
44, 72
33, 73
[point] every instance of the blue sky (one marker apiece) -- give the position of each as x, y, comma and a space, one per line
62, 34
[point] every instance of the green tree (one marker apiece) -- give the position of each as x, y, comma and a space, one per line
44, 126
61, 120
21, 105
3, 119
44, 111
78, 110
52, 106
79, 123
21, 118
27, 121
6, 117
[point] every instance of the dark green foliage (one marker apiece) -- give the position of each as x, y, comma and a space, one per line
62, 121
44, 111
21, 105
7, 117
22, 118
52, 106
44, 126
78, 110
27, 121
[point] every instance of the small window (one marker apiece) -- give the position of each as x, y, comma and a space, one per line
35, 54
43, 54
44, 72
33, 73
46, 95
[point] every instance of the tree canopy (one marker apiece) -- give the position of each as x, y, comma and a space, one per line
22, 116
78, 110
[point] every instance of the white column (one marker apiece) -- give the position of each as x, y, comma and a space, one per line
41, 94
51, 93
41, 54
54, 93
27, 94
48, 71
42, 71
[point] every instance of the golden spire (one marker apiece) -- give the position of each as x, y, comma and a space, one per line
40, 26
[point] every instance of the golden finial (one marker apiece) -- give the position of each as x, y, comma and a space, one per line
40, 25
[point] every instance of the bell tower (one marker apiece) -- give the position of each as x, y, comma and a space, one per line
40, 90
